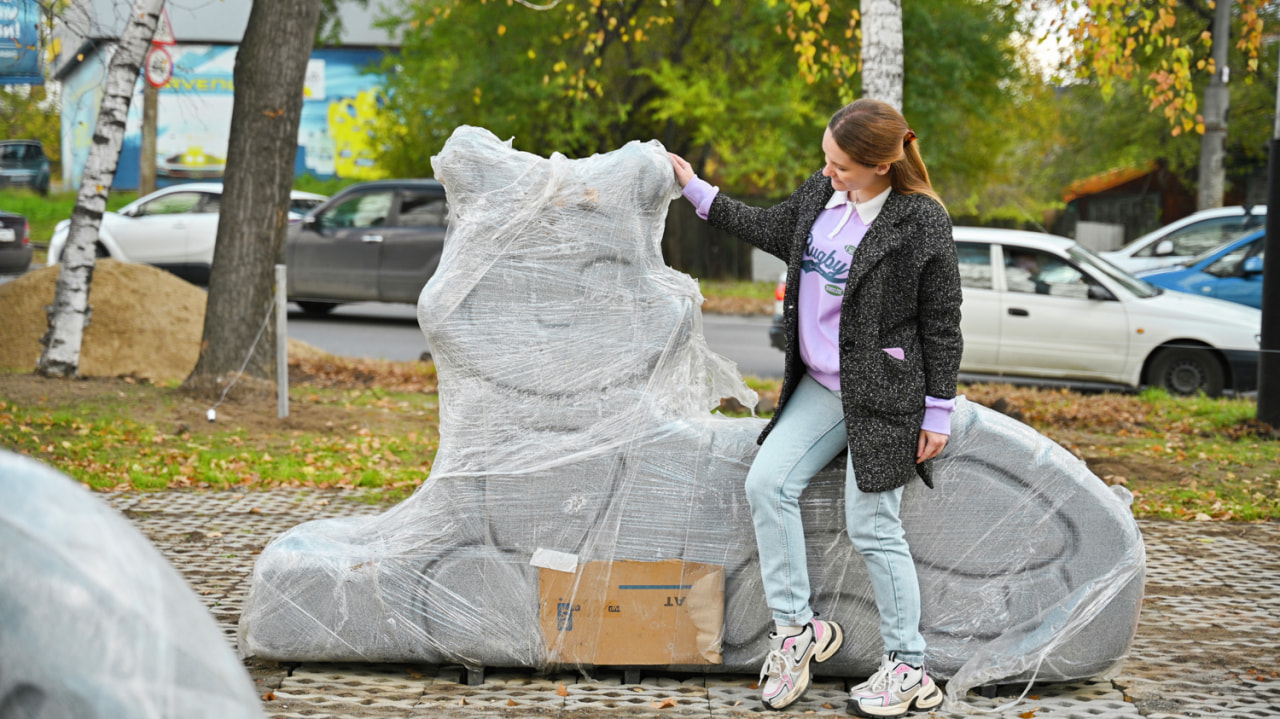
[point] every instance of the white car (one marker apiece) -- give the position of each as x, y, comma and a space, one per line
173, 228
1044, 307
1177, 242
1038, 305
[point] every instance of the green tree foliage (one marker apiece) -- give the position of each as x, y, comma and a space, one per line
26, 114
1161, 46
743, 88
969, 96
1104, 127
585, 79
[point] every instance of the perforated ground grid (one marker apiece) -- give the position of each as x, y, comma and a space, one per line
1208, 644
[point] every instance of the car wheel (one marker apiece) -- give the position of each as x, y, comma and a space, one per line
100, 251
317, 308
1187, 371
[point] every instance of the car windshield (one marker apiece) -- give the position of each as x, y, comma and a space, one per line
1210, 253
1229, 264
17, 151
1085, 258
301, 205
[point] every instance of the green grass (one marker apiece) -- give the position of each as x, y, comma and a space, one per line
737, 288
1208, 412
307, 183
98, 441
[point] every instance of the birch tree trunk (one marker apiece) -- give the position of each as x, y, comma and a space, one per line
70, 310
1213, 144
882, 69
270, 73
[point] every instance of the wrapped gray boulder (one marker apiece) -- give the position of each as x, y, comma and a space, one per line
576, 391
94, 623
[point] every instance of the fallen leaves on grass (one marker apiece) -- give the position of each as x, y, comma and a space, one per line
1184, 458
333, 371
738, 305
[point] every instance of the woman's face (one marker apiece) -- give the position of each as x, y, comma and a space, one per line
849, 175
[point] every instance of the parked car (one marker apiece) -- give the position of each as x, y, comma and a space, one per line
376, 241
173, 228
1177, 242
15, 243
1232, 272
777, 336
1043, 306
24, 164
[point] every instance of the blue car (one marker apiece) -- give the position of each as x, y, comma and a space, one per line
1231, 272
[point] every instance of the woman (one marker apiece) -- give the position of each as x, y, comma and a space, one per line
872, 317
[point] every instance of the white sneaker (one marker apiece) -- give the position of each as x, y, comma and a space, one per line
894, 690
785, 674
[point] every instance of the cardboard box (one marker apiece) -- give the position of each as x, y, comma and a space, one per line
633, 613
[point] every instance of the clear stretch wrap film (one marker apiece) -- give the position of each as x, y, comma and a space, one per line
576, 391
94, 623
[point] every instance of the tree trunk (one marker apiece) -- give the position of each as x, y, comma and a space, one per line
882, 69
270, 71
70, 310
1213, 145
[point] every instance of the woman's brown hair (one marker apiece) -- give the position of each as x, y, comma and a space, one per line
872, 132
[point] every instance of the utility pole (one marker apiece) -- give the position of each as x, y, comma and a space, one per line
1269, 360
1213, 145
147, 161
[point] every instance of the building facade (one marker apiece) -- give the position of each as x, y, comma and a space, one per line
342, 93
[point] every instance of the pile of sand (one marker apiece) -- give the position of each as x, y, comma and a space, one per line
146, 322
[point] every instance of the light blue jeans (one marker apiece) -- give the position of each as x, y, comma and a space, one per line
808, 435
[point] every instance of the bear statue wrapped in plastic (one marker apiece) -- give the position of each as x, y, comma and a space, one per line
576, 397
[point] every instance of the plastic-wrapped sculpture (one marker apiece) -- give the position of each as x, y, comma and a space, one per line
94, 623
575, 397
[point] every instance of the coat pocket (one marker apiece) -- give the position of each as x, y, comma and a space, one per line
891, 384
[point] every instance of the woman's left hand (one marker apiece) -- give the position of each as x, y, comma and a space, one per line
930, 444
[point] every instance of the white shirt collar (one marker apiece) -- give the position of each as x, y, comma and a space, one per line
867, 211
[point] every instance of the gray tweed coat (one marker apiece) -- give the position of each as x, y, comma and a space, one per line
903, 291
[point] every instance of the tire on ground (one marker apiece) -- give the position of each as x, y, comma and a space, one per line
1187, 371
316, 308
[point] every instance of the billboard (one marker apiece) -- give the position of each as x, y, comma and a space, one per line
341, 100
20, 43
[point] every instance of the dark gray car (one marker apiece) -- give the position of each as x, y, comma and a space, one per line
15, 243
373, 242
24, 164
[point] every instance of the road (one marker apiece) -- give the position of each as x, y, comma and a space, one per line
390, 331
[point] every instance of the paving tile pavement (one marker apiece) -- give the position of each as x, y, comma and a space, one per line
1207, 643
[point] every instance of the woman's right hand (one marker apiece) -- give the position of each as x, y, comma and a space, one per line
684, 171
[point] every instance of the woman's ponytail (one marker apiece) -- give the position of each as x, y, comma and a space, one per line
873, 132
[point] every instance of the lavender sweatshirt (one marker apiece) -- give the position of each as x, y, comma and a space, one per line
834, 238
